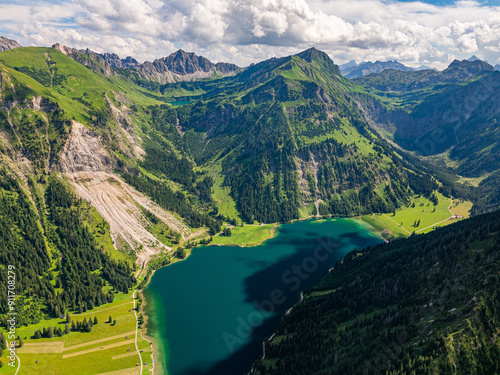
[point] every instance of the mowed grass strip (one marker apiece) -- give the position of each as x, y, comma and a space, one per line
97, 348
42, 347
125, 371
122, 335
128, 354
91, 363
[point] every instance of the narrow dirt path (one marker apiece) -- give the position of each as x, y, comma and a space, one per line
399, 225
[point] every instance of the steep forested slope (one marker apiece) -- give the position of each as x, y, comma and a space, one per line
58, 260
425, 305
290, 139
450, 117
64, 127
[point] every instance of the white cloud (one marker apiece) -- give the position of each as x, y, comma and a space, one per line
250, 30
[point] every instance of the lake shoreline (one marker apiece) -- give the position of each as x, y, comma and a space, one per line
273, 233
145, 333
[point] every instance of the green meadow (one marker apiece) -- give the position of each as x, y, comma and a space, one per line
108, 347
247, 235
420, 216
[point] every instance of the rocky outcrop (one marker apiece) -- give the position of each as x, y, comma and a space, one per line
179, 66
88, 58
182, 66
6, 44
114, 60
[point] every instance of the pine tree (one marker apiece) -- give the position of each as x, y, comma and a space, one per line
37, 334
68, 318
20, 341
110, 320
50, 333
66, 328
73, 326
95, 320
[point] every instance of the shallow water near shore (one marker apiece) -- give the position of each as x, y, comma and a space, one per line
210, 313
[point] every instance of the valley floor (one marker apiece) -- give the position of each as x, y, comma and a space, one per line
109, 349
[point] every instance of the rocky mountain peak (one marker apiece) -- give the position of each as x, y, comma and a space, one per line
467, 68
6, 44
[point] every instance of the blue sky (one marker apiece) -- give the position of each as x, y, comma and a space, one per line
245, 31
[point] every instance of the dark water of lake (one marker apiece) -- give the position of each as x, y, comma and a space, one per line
210, 313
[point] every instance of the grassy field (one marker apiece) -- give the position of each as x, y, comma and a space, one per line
306, 211
221, 194
100, 351
461, 208
247, 235
402, 223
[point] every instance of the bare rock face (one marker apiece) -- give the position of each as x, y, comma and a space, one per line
182, 66
179, 66
88, 58
83, 152
114, 60
6, 44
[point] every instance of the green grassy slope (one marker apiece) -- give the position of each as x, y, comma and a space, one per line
284, 124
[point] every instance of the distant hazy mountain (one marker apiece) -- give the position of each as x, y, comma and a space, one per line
345, 67
354, 70
6, 44
395, 80
425, 67
497, 67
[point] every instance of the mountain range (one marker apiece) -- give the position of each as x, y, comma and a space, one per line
179, 66
286, 138
355, 70
110, 168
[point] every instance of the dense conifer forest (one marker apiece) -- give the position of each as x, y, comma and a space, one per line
423, 305
67, 269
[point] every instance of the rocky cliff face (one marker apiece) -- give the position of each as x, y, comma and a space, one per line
182, 66
88, 58
114, 60
179, 66
6, 44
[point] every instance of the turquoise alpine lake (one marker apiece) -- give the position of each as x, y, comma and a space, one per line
210, 313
